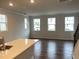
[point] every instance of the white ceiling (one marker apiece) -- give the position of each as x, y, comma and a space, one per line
41, 6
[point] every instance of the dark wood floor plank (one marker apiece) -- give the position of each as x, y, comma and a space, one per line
53, 49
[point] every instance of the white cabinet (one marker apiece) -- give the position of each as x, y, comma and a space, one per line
27, 54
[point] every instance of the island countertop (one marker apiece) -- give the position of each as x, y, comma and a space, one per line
18, 46
76, 51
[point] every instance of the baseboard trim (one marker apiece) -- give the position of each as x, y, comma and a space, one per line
52, 39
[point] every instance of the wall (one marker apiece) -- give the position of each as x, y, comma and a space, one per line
59, 33
16, 28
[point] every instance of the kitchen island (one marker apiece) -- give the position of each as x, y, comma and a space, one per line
21, 48
76, 51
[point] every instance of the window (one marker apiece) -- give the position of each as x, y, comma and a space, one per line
69, 23
36, 24
3, 23
25, 22
51, 24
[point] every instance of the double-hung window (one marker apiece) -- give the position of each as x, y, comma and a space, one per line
36, 23
25, 23
51, 24
69, 23
3, 23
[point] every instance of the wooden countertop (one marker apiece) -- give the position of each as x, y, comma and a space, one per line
76, 51
18, 46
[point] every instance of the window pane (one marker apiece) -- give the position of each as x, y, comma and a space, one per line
36, 24
3, 27
69, 27
51, 20
25, 21
69, 23
37, 29
69, 20
25, 26
3, 18
51, 28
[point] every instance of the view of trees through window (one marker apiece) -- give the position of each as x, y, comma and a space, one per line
69, 23
36, 24
51, 24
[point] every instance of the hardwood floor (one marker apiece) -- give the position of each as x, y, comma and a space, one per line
53, 49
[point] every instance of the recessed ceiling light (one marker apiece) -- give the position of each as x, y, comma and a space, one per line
32, 1
11, 4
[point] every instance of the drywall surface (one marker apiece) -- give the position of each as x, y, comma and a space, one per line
60, 32
15, 26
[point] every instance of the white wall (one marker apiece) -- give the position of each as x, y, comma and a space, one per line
16, 28
59, 33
